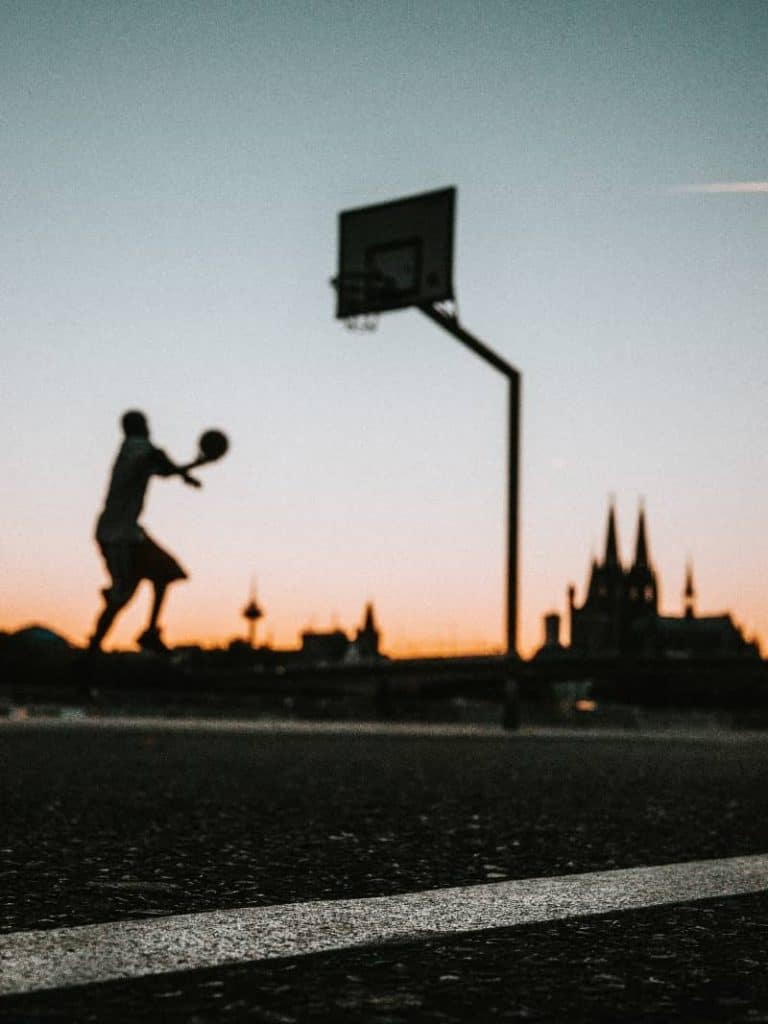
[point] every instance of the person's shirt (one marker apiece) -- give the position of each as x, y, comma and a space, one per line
137, 460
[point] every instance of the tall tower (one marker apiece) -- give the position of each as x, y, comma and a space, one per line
642, 600
252, 613
571, 610
609, 577
611, 543
642, 590
597, 628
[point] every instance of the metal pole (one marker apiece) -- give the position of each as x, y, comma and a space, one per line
513, 511
452, 325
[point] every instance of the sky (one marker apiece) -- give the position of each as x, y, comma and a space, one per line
171, 176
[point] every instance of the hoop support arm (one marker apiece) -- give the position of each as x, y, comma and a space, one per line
513, 375
452, 325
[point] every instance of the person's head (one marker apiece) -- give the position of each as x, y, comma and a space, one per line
135, 424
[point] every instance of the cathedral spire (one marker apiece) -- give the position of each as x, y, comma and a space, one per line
689, 594
641, 548
367, 640
611, 543
369, 622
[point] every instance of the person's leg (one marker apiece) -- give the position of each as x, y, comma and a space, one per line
116, 597
103, 624
161, 569
150, 639
158, 596
113, 604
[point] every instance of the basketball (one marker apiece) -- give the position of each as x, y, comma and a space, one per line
213, 444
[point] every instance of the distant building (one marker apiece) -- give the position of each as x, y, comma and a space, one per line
620, 612
335, 646
552, 647
324, 647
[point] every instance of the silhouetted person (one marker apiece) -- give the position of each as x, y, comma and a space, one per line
130, 554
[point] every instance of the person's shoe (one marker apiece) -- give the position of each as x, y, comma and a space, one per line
150, 640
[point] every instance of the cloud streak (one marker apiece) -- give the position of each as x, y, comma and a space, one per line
719, 187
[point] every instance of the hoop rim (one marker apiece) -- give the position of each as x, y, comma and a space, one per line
359, 278
361, 288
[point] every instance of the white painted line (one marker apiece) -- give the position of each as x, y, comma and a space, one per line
373, 728
257, 725
129, 949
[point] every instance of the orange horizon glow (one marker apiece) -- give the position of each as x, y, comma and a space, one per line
284, 640
438, 603
218, 628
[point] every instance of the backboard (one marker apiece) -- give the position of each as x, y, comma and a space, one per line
396, 254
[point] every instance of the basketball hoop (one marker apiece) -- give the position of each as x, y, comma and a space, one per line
360, 293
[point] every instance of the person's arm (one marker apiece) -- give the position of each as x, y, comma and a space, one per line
163, 466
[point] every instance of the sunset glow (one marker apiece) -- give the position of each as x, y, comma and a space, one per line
172, 178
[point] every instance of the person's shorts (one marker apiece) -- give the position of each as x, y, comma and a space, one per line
129, 563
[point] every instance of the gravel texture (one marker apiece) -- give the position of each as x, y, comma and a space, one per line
100, 826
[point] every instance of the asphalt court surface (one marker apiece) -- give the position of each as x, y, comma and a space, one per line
99, 826
113, 825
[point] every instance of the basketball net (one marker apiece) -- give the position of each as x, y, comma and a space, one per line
361, 289
362, 322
